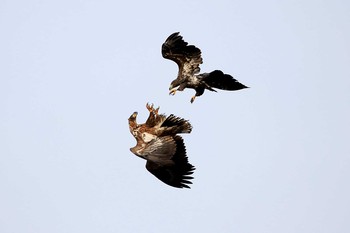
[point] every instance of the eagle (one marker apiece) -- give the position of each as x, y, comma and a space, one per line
188, 59
158, 143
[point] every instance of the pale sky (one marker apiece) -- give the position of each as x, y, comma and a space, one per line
272, 158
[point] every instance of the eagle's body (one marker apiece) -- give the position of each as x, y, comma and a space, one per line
188, 58
159, 144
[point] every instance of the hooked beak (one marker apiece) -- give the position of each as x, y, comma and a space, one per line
133, 116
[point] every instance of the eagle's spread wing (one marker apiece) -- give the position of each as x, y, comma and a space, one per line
176, 174
187, 57
218, 79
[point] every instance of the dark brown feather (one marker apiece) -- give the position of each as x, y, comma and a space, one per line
217, 79
187, 57
177, 174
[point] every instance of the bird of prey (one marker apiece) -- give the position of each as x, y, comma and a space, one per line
158, 143
188, 59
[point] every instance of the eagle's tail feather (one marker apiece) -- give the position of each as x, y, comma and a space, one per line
177, 124
217, 79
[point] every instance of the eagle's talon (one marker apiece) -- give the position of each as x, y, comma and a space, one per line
192, 99
156, 111
172, 91
149, 107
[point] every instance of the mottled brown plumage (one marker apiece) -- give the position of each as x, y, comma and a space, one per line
158, 143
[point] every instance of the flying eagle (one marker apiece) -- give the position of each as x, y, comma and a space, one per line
164, 150
188, 59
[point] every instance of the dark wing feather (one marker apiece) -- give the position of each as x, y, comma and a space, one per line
177, 174
218, 79
175, 125
187, 57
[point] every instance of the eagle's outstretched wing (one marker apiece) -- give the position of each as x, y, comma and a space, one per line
187, 57
176, 173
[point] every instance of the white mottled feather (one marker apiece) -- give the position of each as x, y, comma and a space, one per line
147, 137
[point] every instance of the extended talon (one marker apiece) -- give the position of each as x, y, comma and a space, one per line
149, 107
172, 91
156, 111
192, 99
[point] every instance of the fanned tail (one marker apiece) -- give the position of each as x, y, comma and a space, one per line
177, 125
217, 79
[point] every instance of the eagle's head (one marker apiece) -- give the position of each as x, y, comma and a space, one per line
133, 116
132, 121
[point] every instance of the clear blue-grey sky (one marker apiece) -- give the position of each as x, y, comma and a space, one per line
273, 158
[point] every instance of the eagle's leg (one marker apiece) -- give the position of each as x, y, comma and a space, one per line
173, 91
199, 92
193, 98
